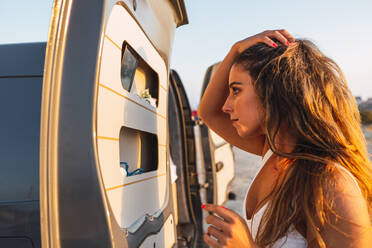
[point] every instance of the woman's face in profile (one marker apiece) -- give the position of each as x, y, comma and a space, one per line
243, 104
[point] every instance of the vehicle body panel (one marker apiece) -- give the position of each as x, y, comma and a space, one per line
21, 69
73, 184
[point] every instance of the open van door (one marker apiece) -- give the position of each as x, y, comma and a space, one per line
218, 157
182, 148
104, 169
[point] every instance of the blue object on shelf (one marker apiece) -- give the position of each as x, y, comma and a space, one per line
126, 167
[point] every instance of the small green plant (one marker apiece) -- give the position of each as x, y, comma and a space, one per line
145, 94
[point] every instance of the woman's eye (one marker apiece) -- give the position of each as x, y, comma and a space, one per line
235, 91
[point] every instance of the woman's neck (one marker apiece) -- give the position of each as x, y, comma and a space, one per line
284, 143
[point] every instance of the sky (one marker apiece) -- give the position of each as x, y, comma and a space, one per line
24, 20
341, 29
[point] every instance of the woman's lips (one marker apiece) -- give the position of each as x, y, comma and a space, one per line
234, 122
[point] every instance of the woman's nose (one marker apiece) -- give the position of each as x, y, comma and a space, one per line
227, 107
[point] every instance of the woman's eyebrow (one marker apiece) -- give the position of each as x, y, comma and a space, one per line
235, 83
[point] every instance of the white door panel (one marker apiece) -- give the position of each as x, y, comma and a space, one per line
133, 197
216, 139
226, 173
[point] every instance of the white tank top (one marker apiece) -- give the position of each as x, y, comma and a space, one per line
293, 239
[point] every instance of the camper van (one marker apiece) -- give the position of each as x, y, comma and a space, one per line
99, 144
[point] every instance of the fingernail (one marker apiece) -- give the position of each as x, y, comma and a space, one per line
274, 44
223, 207
287, 43
203, 206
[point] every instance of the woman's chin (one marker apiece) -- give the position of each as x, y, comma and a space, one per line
247, 133
242, 133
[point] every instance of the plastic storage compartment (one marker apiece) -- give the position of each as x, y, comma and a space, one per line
137, 76
138, 149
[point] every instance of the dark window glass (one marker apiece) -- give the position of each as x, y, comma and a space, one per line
128, 68
20, 106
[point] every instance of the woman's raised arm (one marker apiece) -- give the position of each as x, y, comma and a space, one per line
210, 108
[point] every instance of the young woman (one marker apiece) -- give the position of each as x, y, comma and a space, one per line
282, 99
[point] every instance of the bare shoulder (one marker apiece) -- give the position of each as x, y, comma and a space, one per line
348, 199
349, 224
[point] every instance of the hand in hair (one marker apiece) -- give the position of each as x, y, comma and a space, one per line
265, 37
228, 228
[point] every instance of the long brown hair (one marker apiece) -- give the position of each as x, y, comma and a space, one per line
301, 87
